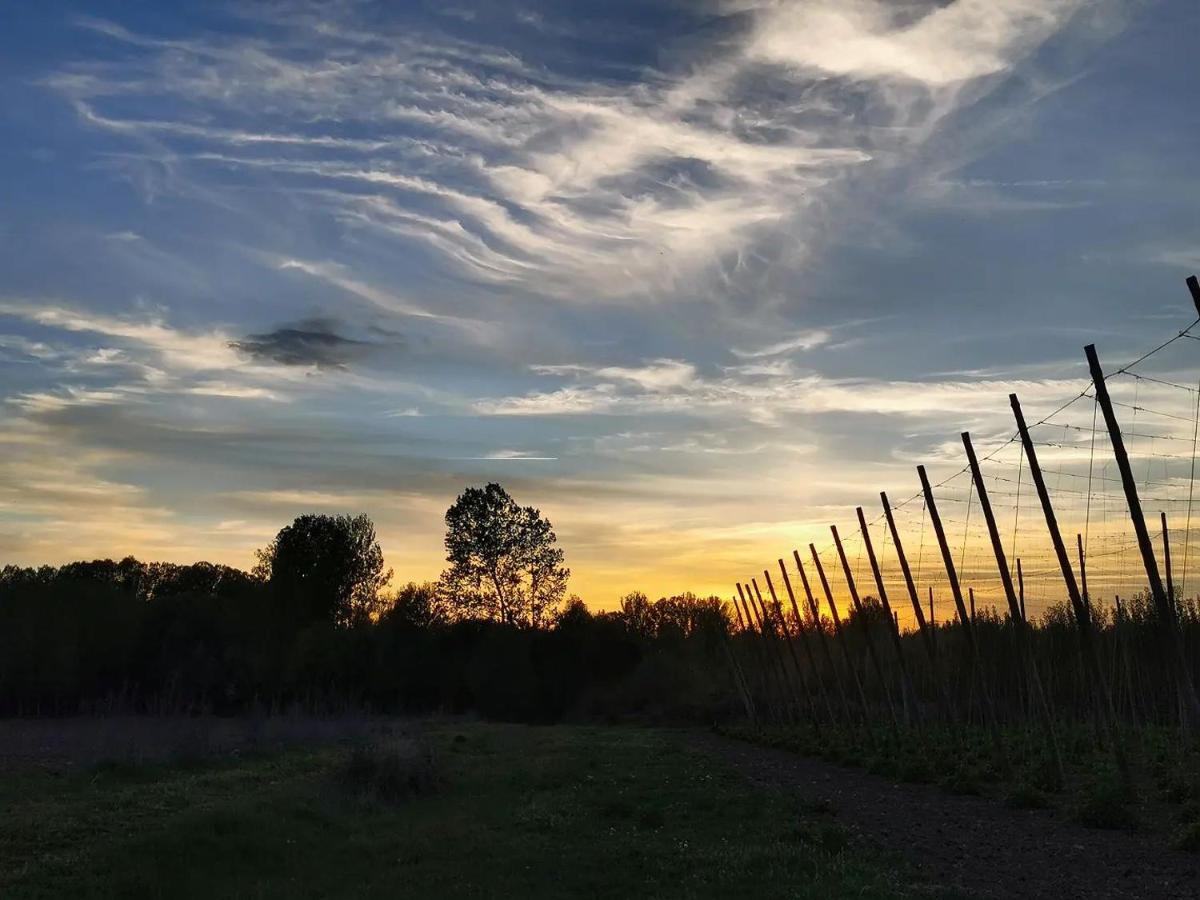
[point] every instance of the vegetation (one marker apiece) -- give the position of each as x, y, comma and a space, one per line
504, 563
313, 627
326, 568
513, 812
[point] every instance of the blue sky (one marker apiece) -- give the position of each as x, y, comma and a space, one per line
687, 276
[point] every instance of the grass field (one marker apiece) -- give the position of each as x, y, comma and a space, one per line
489, 811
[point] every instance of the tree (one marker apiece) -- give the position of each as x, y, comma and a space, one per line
329, 568
417, 606
504, 564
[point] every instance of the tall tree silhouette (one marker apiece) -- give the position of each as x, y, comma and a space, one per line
327, 568
504, 562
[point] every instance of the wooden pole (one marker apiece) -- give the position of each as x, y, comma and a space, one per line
1087, 599
738, 610
802, 636
866, 625
823, 638
968, 625
1166, 538
1016, 609
1021, 588
893, 619
740, 683
841, 637
787, 640
971, 595
1087, 642
948, 561
770, 673
1190, 703
926, 633
786, 684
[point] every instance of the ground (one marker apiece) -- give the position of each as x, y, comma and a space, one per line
490, 811
976, 845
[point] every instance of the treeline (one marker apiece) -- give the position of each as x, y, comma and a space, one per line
152, 637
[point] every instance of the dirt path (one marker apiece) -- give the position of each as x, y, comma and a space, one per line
972, 844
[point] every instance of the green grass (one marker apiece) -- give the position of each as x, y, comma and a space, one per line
1163, 786
513, 811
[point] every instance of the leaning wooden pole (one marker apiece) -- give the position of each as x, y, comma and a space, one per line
1189, 702
989, 714
1021, 590
1015, 610
1083, 589
840, 633
802, 637
948, 560
747, 625
1083, 618
771, 682
876, 663
922, 625
785, 637
893, 620
1166, 536
740, 684
822, 636
786, 684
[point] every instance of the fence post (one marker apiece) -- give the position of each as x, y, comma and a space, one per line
1189, 702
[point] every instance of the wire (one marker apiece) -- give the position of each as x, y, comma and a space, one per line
1187, 528
1087, 515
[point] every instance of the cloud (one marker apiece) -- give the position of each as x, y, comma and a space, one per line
312, 343
580, 189
935, 45
181, 350
808, 339
765, 395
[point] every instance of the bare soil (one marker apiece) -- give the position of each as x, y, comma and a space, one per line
973, 845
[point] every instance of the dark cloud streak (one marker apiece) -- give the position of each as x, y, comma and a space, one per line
314, 342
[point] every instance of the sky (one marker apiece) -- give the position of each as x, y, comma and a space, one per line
694, 278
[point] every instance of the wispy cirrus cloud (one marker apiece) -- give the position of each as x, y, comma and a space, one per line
632, 254
578, 188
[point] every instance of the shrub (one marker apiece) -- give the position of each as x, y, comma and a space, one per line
1189, 838
1106, 803
391, 772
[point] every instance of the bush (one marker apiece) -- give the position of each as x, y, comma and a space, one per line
391, 772
1189, 838
1106, 803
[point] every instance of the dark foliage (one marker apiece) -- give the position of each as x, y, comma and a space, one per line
504, 562
139, 636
